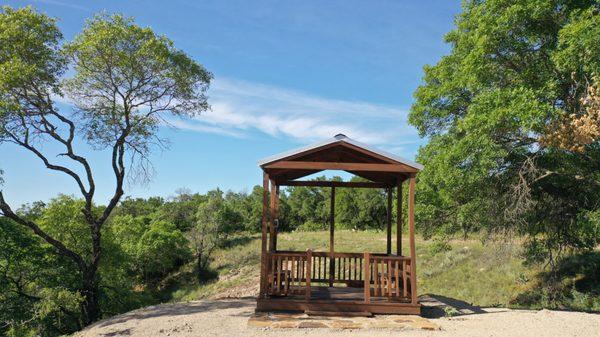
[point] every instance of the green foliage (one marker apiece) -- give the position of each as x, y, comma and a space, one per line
123, 80
29, 54
62, 218
308, 206
361, 208
516, 68
125, 76
160, 250
575, 285
215, 220
439, 246
38, 289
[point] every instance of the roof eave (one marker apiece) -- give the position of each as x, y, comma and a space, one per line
337, 139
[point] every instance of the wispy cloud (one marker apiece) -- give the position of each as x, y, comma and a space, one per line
63, 4
240, 108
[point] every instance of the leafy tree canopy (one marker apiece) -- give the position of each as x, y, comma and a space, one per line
511, 120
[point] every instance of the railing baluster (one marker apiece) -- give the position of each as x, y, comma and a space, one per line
382, 277
367, 285
319, 268
293, 275
278, 274
396, 265
376, 276
389, 278
360, 269
404, 288
308, 273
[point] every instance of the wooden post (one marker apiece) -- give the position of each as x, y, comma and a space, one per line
331, 237
276, 216
389, 221
308, 272
367, 286
264, 268
273, 216
411, 228
399, 219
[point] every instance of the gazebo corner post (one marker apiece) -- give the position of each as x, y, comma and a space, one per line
276, 216
411, 227
367, 277
389, 221
272, 216
332, 237
399, 218
308, 273
263, 256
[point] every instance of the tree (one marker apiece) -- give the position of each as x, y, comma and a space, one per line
308, 207
160, 250
511, 119
125, 81
214, 222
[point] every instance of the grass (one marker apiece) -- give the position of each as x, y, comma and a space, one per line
467, 270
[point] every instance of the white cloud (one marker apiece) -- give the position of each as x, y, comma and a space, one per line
63, 4
239, 108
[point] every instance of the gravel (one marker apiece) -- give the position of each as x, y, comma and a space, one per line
229, 317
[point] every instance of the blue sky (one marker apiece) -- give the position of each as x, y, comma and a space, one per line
287, 73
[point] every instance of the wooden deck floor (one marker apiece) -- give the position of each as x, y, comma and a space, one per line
338, 299
340, 294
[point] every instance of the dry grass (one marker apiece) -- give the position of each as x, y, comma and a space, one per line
466, 270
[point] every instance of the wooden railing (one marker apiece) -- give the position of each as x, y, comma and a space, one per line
387, 276
288, 273
346, 268
293, 273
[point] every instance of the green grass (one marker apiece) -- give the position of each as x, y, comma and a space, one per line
467, 270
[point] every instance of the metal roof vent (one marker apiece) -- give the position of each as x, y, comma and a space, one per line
340, 136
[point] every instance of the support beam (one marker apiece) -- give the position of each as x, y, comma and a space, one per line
263, 247
319, 183
389, 221
273, 216
368, 167
411, 228
331, 237
276, 215
399, 219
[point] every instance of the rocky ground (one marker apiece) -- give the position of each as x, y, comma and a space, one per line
230, 317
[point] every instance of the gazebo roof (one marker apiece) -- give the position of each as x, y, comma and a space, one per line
339, 153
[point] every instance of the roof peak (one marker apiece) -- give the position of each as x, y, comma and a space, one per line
340, 137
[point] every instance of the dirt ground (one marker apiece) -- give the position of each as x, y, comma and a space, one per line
229, 317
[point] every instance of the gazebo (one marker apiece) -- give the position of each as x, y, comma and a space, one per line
350, 283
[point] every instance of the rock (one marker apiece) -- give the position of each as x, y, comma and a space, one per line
311, 325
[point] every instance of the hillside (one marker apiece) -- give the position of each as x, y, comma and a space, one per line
483, 274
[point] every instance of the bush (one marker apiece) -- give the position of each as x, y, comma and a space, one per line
574, 285
161, 249
439, 246
310, 226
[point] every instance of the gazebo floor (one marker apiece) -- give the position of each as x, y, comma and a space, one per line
337, 299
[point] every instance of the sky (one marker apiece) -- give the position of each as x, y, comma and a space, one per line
286, 74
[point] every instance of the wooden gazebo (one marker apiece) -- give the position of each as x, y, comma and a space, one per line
338, 282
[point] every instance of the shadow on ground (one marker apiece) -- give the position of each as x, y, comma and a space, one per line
436, 306
176, 309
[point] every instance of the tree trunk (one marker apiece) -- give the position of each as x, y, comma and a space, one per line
91, 291
91, 279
